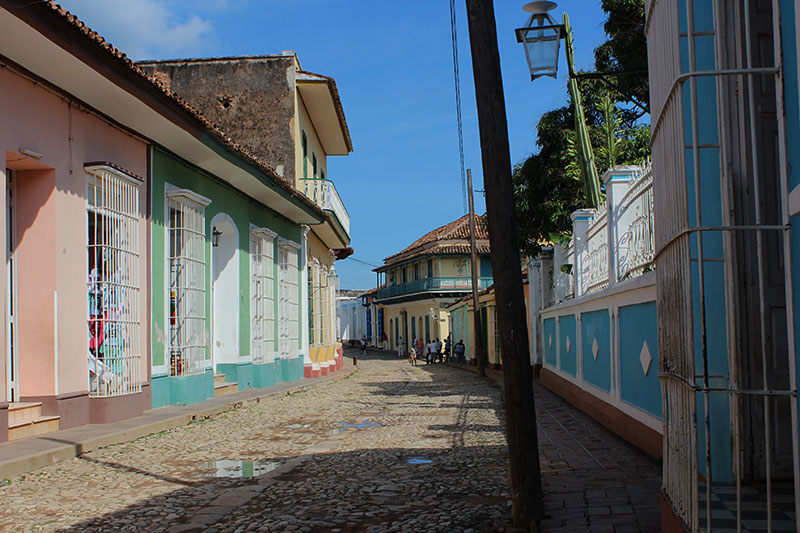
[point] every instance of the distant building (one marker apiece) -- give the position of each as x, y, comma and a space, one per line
352, 316
417, 284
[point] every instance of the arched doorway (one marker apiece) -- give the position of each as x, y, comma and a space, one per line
224, 290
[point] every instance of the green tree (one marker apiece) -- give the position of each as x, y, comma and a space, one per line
548, 185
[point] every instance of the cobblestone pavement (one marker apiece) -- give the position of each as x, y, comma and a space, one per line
391, 447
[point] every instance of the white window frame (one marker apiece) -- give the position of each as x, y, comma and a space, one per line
189, 346
262, 295
288, 296
114, 290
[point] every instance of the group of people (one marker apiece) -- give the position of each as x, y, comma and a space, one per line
435, 351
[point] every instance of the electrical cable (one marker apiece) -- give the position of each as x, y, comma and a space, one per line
457, 80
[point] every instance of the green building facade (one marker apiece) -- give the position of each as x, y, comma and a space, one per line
226, 287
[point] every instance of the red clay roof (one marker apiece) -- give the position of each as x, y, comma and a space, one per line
452, 238
116, 55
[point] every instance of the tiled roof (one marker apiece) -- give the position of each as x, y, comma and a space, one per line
337, 102
115, 54
369, 292
452, 238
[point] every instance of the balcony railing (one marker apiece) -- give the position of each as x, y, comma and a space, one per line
323, 193
432, 284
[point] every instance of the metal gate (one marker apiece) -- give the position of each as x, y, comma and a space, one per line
723, 264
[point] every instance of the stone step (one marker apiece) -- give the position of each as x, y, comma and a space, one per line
219, 379
23, 411
31, 428
225, 388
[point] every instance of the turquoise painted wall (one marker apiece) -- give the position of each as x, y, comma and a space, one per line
596, 325
792, 108
550, 342
566, 332
710, 214
638, 324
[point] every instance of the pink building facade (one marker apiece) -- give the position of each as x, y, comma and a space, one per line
75, 237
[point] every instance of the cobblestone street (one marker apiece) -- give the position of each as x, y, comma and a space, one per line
391, 447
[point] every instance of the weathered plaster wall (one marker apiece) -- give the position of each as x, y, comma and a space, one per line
252, 100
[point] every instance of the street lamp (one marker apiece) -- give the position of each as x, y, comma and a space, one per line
215, 235
541, 37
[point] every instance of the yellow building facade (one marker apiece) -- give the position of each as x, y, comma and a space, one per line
419, 283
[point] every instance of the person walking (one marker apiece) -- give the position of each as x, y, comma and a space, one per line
400, 346
459, 349
447, 349
412, 355
438, 351
429, 352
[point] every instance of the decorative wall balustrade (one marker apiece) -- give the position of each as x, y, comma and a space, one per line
597, 243
608, 245
635, 224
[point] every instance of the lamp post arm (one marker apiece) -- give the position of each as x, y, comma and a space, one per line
602, 77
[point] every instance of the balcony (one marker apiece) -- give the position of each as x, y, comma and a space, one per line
323, 193
432, 284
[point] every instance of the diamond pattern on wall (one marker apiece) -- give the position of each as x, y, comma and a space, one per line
568, 344
645, 358
595, 348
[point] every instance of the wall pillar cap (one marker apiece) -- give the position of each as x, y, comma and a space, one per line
620, 173
582, 214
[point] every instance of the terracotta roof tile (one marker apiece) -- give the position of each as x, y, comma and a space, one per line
452, 238
116, 55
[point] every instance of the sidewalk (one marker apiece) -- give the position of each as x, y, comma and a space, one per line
21, 456
592, 479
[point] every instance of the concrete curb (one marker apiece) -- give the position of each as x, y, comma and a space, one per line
22, 456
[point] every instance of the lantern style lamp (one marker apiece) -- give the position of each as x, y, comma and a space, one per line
215, 235
541, 37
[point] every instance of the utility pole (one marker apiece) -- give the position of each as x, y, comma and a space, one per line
523, 446
480, 348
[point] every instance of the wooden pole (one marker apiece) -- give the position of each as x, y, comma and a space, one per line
523, 446
480, 348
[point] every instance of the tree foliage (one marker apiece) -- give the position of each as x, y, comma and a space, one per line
547, 185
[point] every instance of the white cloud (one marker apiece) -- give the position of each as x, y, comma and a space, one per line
146, 29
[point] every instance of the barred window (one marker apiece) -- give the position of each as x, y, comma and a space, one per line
262, 295
186, 263
288, 308
316, 308
333, 284
115, 365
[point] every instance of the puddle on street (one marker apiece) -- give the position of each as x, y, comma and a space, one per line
230, 468
298, 426
419, 461
344, 426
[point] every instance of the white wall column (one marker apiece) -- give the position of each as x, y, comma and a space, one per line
580, 230
305, 345
617, 182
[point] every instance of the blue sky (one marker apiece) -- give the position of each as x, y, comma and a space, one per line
393, 65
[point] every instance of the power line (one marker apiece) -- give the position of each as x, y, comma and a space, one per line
457, 80
373, 265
